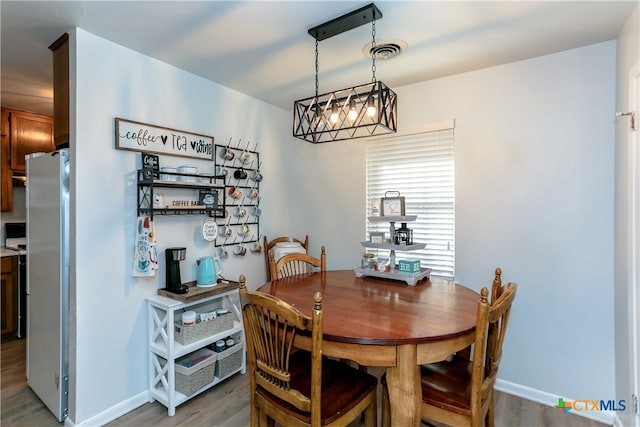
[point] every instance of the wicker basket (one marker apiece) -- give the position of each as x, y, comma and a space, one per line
193, 378
229, 360
189, 334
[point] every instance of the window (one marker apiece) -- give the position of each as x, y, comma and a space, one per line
422, 168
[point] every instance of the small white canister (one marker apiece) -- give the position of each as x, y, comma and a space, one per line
188, 318
190, 170
204, 178
166, 177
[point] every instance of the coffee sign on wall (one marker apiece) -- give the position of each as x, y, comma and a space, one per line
137, 136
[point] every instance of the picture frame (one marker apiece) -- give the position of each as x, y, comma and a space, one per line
147, 138
392, 206
151, 162
376, 237
208, 199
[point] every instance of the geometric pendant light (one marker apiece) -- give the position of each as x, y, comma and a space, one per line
361, 111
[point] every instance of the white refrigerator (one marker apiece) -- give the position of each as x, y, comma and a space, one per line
47, 195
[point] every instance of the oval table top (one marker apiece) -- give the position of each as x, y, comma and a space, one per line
370, 310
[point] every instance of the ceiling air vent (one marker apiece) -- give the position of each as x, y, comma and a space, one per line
385, 49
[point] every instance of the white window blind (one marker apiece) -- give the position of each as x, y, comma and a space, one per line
422, 168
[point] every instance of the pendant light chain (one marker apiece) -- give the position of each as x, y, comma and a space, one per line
316, 68
317, 107
373, 53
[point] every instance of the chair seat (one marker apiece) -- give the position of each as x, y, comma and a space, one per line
447, 385
343, 387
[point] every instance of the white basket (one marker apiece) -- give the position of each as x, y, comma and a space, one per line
190, 334
191, 379
229, 360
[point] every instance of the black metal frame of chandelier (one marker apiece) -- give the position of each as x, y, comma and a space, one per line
386, 119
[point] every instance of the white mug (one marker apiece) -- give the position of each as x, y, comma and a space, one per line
222, 252
245, 157
255, 247
226, 153
241, 212
240, 250
244, 229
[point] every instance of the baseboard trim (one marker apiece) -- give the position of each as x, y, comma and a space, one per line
542, 397
617, 422
116, 411
607, 417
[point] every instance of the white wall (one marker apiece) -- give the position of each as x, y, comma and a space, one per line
534, 177
534, 196
110, 345
327, 183
628, 66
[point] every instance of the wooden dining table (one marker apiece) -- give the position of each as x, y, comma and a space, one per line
381, 322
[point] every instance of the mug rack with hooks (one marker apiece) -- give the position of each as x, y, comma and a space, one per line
240, 164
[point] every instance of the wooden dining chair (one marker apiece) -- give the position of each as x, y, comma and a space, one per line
291, 264
298, 388
496, 290
459, 391
269, 245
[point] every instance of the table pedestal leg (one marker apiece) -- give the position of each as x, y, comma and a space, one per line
403, 382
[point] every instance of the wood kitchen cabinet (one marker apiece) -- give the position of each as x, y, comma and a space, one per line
60, 49
6, 196
29, 133
9, 294
22, 133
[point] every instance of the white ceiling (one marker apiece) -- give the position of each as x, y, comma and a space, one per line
262, 48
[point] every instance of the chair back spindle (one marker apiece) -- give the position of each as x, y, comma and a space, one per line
292, 264
268, 245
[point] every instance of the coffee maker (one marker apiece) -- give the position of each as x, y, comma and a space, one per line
173, 257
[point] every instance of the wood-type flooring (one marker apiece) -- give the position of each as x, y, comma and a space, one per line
226, 405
